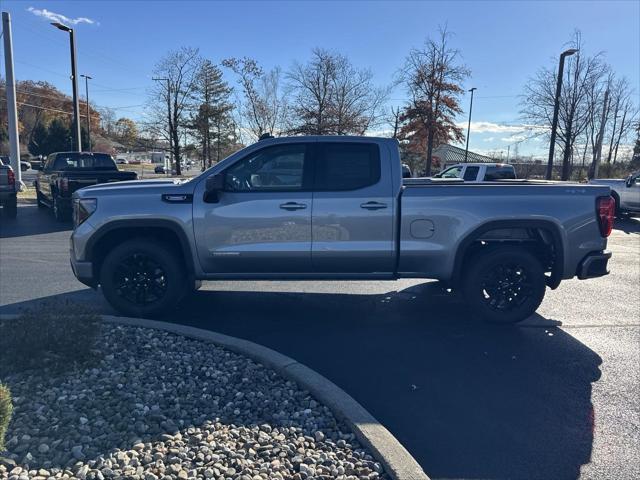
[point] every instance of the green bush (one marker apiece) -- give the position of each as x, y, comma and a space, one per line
6, 407
55, 335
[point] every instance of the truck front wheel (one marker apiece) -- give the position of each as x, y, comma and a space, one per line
142, 278
504, 284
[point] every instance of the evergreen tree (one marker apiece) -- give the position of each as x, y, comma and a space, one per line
212, 123
58, 137
38, 140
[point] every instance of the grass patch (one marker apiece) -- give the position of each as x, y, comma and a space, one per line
56, 334
6, 409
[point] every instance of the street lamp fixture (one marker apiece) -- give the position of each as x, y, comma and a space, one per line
74, 83
556, 107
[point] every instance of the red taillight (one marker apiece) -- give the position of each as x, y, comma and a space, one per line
606, 210
11, 178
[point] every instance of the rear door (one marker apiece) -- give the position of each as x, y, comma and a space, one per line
352, 220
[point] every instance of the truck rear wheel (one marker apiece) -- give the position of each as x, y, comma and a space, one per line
61, 213
504, 284
142, 278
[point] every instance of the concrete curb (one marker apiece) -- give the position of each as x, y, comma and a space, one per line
397, 461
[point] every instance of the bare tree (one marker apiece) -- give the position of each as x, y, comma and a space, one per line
263, 107
433, 77
582, 74
332, 97
171, 97
624, 113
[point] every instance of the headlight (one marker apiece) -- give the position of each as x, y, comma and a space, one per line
83, 208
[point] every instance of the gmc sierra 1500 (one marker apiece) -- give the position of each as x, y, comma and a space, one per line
337, 208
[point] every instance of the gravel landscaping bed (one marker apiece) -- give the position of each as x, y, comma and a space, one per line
155, 405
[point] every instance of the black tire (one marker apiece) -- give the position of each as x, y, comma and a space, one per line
504, 284
10, 208
143, 278
62, 214
40, 199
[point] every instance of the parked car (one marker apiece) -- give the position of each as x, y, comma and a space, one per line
8, 189
479, 172
159, 169
65, 172
122, 161
406, 171
626, 193
336, 208
24, 165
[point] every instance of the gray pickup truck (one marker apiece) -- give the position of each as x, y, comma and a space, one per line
336, 208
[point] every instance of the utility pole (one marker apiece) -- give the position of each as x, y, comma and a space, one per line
508, 149
74, 83
86, 89
556, 107
466, 150
12, 110
169, 132
598, 152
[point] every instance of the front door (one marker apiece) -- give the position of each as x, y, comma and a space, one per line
261, 222
353, 210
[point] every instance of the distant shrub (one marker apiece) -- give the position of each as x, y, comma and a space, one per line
6, 408
55, 335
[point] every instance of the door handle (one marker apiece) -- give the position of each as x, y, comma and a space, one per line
373, 205
293, 206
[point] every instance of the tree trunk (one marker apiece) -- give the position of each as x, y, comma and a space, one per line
430, 136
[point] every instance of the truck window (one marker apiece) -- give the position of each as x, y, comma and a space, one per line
471, 173
453, 172
276, 168
505, 172
89, 161
347, 166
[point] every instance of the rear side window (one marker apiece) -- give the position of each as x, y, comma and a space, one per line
471, 173
347, 166
500, 173
72, 160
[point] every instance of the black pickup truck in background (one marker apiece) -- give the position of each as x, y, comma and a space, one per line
65, 172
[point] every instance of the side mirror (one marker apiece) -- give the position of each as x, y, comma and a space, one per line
214, 184
629, 181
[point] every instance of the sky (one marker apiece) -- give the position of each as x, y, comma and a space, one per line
502, 42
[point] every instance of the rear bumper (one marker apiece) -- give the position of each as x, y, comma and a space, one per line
83, 271
594, 265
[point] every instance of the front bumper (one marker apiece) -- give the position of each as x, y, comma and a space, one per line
83, 271
594, 265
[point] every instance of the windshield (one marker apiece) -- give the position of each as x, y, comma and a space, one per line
87, 161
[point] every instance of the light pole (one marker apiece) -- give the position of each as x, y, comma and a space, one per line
86, 90
168, 118
556, 107
466, 150
74, 82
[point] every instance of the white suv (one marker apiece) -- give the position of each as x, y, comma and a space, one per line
479, 172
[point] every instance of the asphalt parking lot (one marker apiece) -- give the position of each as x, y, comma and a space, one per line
555, 398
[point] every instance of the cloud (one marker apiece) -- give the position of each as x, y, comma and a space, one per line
490, 127
58, 17
515, 138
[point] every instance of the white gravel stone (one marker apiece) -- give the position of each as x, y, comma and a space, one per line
158, 406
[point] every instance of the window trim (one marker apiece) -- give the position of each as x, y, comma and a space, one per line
307, 169
317, 161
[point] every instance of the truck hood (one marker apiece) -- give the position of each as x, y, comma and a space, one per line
135, 187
